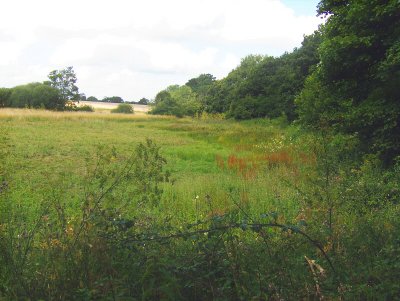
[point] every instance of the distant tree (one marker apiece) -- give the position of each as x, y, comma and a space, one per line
92, 98
124, 108
64, 80
143, 101
5, 94
113, 99
201, 84
176, 100
166, 105
82, 97
162, 96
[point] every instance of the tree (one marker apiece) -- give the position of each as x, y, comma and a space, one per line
47, 97
36, 95
176, 100
64, 80
82, 97
92, 98
143, 101
5, 94
113, 99
166, 105
21, 96
354, 90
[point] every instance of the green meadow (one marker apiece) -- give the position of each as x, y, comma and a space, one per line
48, 149
210, 209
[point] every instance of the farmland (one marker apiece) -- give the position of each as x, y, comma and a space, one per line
109, 106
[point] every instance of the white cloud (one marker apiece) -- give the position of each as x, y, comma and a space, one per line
134, 48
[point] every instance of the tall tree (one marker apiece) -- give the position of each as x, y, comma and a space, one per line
355, 87
64, 80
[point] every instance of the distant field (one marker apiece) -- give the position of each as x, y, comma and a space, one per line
110, 106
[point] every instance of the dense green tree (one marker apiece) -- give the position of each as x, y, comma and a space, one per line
187, 99
265, 86
166, 105
5, 94
36, 95
143, 101
64, 80
47, 97
355, 87
162, 96
201, 83
176, 100
21, 96
92, 98
201, 86
113, 99
217, 100
222, 93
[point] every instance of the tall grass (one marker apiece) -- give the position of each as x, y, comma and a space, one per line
215, 210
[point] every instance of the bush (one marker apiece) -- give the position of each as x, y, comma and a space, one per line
123, 108
47, 97
85, 108
21, 97
35, 95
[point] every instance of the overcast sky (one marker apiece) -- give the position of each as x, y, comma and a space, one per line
133, 48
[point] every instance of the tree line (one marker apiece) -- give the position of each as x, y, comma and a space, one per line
344, 77
57, 93
53, 94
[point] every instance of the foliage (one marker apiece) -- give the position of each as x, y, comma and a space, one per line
92, 98
47, 97
85, 108
5, 94
123, 108
64, 81
113, 99
81, 96
264, 86
143, 101
354, 89
35, 95
176, 100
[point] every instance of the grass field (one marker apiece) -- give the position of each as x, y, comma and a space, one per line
49, 147
252, 210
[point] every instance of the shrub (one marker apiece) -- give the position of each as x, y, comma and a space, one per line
123, 108
21, 97
85, 108
35, 95
47, 97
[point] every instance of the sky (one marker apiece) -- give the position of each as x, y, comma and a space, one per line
134, 49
